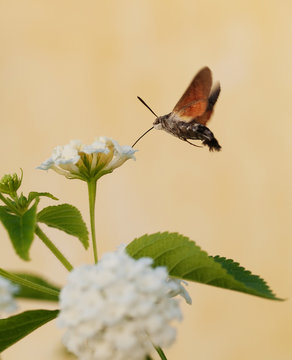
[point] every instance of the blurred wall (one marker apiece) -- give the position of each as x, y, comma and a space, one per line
73, 69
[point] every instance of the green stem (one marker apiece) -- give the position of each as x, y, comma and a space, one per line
161, 353
92, 197
53, 248
27, 283
8, 204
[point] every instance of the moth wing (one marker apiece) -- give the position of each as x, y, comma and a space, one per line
198, 90
193, 110
205, 117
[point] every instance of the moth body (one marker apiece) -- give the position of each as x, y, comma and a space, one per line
192, 130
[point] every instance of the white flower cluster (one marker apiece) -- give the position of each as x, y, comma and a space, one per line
7, 290
79, 161
118, 309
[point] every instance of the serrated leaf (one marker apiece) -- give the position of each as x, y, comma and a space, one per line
185, 260
244, 276
34, 194
20, 229
16, 327
28, 293
67, 218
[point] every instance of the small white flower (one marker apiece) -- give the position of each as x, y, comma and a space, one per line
7, 290
180, 290
120, 153
79, 161
118, 309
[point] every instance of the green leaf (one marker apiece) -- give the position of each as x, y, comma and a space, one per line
67, 218
20, 229
185, 260
28, 293
18, 326
245, 276
34, 194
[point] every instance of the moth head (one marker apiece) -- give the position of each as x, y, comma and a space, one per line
157, 123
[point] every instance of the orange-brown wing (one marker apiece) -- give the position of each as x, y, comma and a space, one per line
193, 110
205, 117
197, 93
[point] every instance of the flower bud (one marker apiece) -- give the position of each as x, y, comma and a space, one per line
9, 184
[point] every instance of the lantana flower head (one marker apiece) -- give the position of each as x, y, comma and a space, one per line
118, 309
86, 162
7, 291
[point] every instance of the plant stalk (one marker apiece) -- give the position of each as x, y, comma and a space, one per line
53, 248
8, 204
160, 353
92, 197
27, 283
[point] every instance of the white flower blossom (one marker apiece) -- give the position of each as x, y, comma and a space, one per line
79, 161
180, 290
7, 290
118, 309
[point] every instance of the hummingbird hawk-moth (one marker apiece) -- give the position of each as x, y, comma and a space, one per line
188, 119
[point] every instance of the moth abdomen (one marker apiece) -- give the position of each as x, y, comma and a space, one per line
212, 144
195, 131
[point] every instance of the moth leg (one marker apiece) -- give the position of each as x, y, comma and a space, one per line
191, 143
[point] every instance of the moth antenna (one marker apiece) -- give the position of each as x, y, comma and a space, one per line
148, 107
142, 136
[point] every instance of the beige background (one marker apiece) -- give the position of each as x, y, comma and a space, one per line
72, 69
